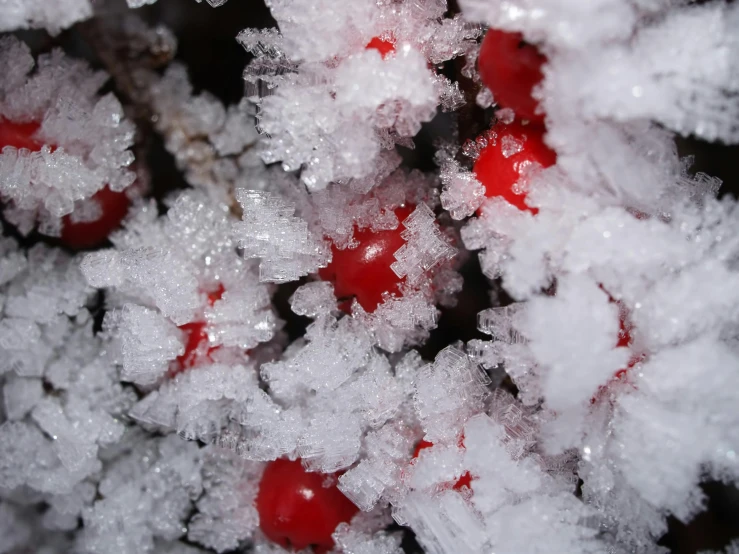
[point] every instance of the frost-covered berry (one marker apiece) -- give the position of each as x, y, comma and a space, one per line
196, 337
62, 142
511, 68
298, 509
109, 208
364, 272
95, 218
514, 150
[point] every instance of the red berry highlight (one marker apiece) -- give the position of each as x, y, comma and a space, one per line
364, 272
296, 509
511, 68
501, 164
384, 47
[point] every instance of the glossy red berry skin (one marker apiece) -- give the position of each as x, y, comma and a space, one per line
511, 68
364, 272
19, 135
499, 170
464, 481
296, 510
77, 235
384, 47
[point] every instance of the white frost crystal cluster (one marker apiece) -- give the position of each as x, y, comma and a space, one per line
331, 105
177, 276
83, 138
212, 144
146, 386
41, 14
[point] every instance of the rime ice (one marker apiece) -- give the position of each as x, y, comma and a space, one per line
146, 429
83, 138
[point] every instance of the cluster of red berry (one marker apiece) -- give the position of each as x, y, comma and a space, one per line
299, 509
511, 68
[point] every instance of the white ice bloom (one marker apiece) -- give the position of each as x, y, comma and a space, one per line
140, 3
212, 144
314, 299
359, 542
335, 387
146, 494
463, 193
691, 90
226, 514
43, 289
282, 241
334, 104
425, 246
399, 321
378, 475
585, 346
565, 23
39, 14
179, 276
627, 268
83, 138
64, 424
448, 392
198, 404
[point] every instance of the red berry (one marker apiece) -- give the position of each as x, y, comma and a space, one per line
75, 234
364, 272
19, 135
511, 68
197, 338
384, 47
464, 481
88, 234
503, 162
297, 509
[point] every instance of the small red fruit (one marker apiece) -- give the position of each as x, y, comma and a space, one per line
19, 135
75, 234
297, 509
503, 162
88, 234
510, 68
196, 336
464, 481
364, 272
384, 47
